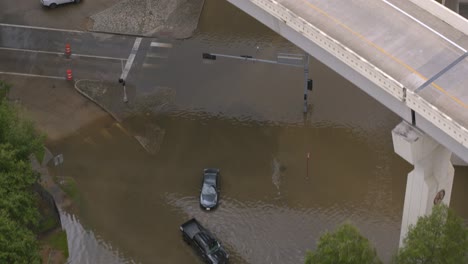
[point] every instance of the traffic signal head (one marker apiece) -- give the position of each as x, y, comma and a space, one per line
208, 56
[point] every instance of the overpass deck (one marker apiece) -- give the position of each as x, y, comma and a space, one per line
410, 46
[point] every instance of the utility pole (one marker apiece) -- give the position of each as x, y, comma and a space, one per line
293, 60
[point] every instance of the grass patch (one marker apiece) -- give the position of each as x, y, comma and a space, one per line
40, 155
58, 241
48, 219
68, 185
47, 223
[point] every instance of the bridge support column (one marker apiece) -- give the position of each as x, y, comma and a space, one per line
431, 180
452, 4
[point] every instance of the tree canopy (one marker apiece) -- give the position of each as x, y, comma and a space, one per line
17, 243
439, 238
345, 246
18, 204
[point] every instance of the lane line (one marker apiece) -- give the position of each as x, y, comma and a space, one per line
35, 51
98, 57
454, 98
424, 25
154, 55
43, 28
32, 75
160, 45
62, 53
131, 57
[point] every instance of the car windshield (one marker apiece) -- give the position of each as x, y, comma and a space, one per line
210, 178
208, 189
213, 247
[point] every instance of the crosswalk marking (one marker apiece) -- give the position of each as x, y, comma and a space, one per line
154, 55
129, 63
151, 65
160, 45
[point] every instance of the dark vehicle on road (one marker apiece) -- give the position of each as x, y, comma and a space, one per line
209, 195
204, 243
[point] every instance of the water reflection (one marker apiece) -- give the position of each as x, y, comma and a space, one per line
85, 247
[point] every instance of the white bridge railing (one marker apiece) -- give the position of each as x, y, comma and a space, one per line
367, 69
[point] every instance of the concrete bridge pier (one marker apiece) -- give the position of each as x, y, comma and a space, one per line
452, 4
431, 180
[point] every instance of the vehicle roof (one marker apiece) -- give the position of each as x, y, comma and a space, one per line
205, 240
191, 227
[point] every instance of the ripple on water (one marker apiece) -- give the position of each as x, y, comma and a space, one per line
84, 247
256, 231
262, 232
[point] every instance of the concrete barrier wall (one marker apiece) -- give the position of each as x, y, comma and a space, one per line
445, 14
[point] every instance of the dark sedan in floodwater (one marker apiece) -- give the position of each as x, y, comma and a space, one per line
209, 195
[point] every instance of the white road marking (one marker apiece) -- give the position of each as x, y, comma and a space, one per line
154, 55
42, 28
150, 65
424, 25
62, 53
161, 45
98, 57
35, 51
129, 63
32, 75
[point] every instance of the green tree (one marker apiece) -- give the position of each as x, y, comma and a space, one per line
18, 132
439, 238
18, 204
345, 246
4, 90
17, 244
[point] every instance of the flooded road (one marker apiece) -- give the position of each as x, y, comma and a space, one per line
245, 119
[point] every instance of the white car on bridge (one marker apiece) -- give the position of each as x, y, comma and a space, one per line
55, 3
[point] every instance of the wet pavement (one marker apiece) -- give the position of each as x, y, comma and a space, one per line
246, 119
70, 16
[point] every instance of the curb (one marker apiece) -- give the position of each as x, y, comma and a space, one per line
119, 34
94, 101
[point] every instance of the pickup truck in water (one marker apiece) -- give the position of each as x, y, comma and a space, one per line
204, 243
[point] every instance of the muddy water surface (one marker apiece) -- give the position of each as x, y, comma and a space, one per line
245, 119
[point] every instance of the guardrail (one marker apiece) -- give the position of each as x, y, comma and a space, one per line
443, 13
367, 69
437, 117
334, 47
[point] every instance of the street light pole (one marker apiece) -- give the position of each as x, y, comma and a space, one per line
282, 59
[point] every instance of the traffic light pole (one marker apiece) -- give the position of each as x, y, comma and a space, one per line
306, 81
305, 66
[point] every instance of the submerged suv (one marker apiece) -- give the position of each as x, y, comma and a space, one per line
55, 3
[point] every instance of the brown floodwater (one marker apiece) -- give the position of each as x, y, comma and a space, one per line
246, 119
